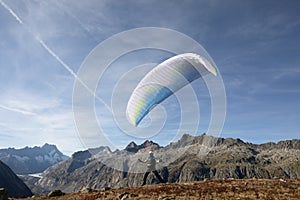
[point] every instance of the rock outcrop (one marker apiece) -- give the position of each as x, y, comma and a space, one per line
11, 183
3, 194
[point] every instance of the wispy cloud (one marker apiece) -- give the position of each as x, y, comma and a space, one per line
24, 112
50, 123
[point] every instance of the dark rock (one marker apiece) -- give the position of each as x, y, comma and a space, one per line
56, 193
148, 143
86, 190
12, 183
126, 195
166, 197
81, 155
3, 194
105, 189
132, 147
194, 170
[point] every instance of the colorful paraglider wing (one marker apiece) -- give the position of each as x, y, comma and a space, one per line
162, 81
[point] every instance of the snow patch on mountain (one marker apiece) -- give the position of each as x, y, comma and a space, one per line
21, 158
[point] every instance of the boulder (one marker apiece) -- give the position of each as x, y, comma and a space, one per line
56, 193
86, 190
126, 195
3, 194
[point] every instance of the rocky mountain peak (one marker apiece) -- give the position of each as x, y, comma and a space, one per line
148, 144
132, 147
48, 147
81, 155
100, 150
230, 142
186, 139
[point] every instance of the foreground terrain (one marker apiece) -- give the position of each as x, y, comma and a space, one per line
207, 189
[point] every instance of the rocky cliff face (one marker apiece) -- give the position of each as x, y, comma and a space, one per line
10, 181
31, 160
189, 159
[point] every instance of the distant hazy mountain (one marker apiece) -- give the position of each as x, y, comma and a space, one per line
10, 181
189, 159
31, 160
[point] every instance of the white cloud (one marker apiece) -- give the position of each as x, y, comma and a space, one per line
27, 101
34, 119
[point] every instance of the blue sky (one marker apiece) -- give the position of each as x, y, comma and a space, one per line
255, 44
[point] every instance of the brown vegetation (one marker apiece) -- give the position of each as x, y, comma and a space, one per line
208, 189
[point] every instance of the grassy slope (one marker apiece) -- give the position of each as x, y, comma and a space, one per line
208, 189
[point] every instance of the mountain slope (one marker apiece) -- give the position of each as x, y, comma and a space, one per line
189, 159
31, 160
14, 185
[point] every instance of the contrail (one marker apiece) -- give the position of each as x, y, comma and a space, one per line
24, 112
38, 39
51, 52
11, 12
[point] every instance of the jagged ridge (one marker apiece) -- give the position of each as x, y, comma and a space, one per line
31, 160
202, 157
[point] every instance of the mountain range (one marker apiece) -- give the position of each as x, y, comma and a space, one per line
192, 158
31, 160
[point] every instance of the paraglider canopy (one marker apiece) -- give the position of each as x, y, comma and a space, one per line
164, 80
